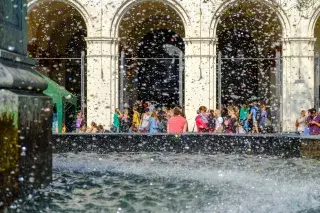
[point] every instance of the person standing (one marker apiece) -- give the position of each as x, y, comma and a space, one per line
263, 118
301, 123
211, 121
231, 123
79, 121
202, 120
55, 125
154, 123
163, 121
219, 121
177, 124
254, 117
125, 121
116, 120
135, 120
145, 123
314, 123
244, 111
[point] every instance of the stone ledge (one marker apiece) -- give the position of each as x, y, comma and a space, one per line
310, 148
16, 58
274, 145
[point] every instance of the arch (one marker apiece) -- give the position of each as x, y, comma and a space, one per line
115, 23
284, 21
313, 21
74, 3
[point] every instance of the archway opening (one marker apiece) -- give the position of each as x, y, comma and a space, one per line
56, 34
151, 51
249, 39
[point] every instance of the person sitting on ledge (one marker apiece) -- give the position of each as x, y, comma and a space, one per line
314, 122
83, 129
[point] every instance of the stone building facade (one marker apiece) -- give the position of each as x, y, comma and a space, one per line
198, 20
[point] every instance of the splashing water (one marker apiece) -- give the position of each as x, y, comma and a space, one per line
167, 182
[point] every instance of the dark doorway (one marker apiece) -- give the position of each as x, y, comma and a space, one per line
158, 74
240, 76
249, 36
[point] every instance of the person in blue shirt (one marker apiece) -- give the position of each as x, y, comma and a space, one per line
55, 123
253, 115
154, 123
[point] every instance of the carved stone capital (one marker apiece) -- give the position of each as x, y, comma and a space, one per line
290, 40
198, 40
95, 40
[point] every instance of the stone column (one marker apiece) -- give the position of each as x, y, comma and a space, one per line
102, 80
200, 79
297, 79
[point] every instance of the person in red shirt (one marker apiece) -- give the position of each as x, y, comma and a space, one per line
177, 124
202, 122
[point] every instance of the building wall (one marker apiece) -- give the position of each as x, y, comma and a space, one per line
200, 21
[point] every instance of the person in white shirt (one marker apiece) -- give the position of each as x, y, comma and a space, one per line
144, 123
219, 121
301, 122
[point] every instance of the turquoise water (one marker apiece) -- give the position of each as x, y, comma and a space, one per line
166, 182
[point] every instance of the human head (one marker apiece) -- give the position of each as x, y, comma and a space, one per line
202, 109
83, 128
100, 127
176, 111
117, 110
217, 113
303, 113
313, 112
154, 114
93, 124
231, 111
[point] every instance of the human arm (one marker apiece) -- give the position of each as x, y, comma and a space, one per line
185, 127
200, 123
315, 123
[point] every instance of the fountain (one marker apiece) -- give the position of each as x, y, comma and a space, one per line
25, 113
136, 172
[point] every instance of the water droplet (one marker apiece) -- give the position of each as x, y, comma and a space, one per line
31, 179
11, 48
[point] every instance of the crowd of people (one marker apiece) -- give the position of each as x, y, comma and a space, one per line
147, 117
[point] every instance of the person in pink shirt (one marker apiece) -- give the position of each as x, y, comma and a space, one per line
177, 124
202, 122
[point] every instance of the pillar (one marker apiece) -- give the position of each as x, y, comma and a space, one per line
102, 80
297, 79
200, 79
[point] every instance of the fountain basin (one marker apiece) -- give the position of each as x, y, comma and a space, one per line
273, 144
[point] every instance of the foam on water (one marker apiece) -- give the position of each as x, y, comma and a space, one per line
242, 183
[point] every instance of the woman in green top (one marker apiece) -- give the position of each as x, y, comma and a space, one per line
244, 110
116, 120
